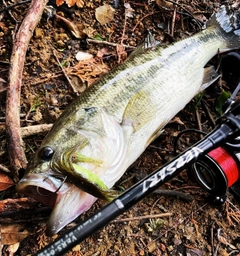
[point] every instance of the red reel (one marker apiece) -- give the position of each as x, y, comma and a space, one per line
217, 171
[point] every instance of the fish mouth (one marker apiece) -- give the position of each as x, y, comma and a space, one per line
66, 200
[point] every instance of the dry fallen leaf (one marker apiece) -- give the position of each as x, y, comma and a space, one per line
59, 2
223, 240
128, 10
87, 71
104, 14
5, 182
80, 3
12, 248
70, 3
12, 233
164, 4
75, 28
3, 27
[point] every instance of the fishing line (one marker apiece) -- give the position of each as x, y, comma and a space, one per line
180, 134
54, 192
65, 178
227, 163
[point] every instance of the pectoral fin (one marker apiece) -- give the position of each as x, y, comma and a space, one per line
210, 76
137, 112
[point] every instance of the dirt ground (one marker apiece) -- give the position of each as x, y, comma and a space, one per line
195, 226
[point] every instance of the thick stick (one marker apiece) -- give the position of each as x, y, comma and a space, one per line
15, 144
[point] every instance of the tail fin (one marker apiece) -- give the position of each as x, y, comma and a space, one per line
229, 22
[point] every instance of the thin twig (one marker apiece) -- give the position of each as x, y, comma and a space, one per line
89, 40
160, 215
43, 80
15, 144
124, 27
199, 23
235, 207
4, 169
207, 112
10, 13
35, 129
13, 5
212, 243
218, 244
145, 16
173, 20
174, 193
198, 119
65, 74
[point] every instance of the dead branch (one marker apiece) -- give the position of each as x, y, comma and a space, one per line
26, 132
15, 144
22, 210
35, 129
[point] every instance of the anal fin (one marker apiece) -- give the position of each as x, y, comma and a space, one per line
210, 76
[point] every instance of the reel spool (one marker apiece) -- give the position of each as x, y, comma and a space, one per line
218, 170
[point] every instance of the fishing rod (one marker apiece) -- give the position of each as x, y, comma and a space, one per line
226, 131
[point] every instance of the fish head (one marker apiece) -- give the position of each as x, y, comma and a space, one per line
78, 161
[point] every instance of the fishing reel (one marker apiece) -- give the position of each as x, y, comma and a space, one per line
219, 170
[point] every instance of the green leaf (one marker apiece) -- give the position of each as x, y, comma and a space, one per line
98, 37
64, 63
221, 100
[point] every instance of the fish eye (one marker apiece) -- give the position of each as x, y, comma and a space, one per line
46, 153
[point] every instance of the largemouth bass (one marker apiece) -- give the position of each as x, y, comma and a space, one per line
107, 128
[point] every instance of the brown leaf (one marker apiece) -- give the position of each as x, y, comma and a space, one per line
164, 4
70, 3
59, 2
77, 29
80, 3
3, 27
88, 70
128, 10
223, 240
17, 204
12, 248
104, 14
5, 182
12, 234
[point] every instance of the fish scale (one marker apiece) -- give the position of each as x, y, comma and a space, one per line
107, 128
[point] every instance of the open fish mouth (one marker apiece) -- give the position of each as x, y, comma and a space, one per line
66, 200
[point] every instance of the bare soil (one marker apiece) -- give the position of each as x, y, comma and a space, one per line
195, 227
